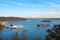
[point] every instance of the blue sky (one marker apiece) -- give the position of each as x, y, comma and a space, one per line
30, 8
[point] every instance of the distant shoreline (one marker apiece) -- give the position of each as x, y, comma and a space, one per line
3, 19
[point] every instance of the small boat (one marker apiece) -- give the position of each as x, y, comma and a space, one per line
43, 25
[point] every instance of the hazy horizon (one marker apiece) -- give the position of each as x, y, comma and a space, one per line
30, 8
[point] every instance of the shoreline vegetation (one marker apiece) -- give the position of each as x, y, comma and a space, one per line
53, 33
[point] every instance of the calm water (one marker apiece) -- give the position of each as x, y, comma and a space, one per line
30, 26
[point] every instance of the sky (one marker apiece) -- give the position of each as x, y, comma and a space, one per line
30, 8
